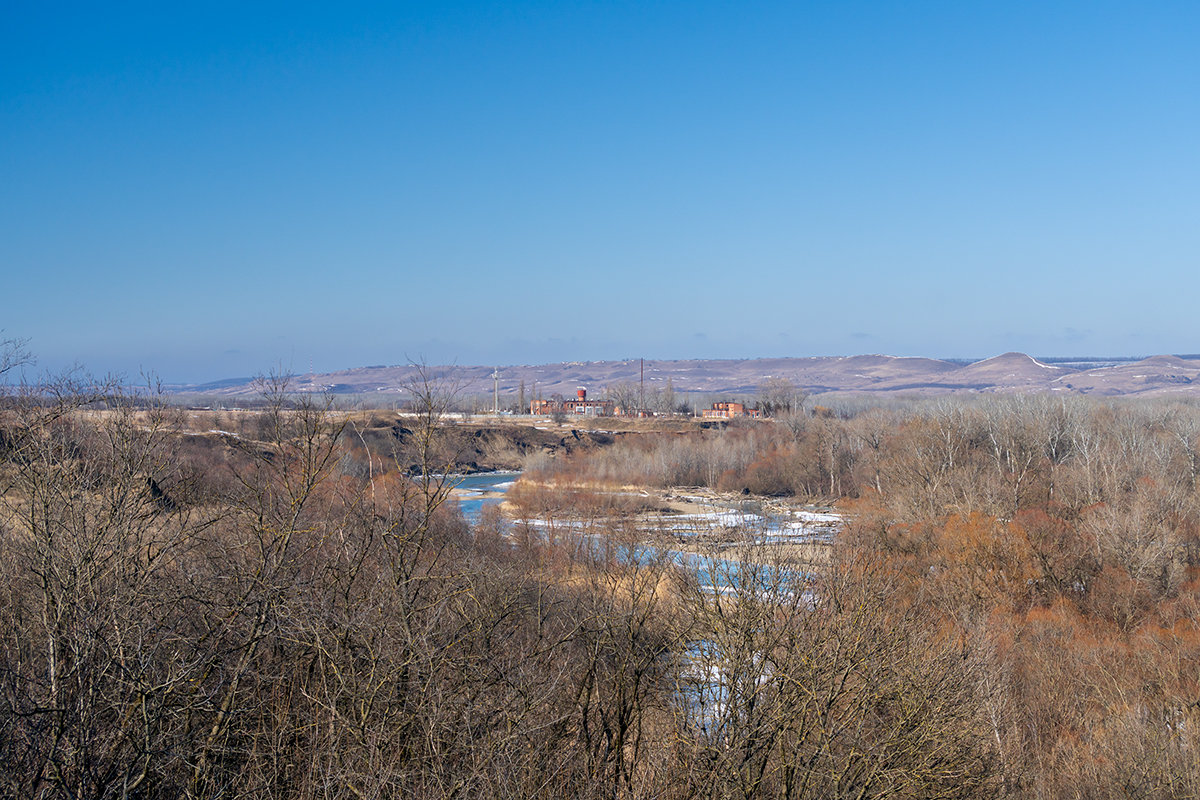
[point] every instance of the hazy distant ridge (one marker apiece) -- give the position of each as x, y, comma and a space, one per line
1010, 372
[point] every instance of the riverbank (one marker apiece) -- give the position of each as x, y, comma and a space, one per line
694, 520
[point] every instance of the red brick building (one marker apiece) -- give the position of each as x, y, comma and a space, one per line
577, 405
729, 410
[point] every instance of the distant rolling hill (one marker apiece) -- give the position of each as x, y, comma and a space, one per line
1155, 375
1010, 372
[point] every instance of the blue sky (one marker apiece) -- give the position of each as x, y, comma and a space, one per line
213, 191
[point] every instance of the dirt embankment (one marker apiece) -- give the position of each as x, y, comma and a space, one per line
216, 444
469, 447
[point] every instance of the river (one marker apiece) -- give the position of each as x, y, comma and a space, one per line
477, 491
474, 492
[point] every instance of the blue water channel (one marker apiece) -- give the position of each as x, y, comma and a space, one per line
476, 486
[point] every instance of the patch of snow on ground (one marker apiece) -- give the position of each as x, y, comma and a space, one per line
817, 516
723, 519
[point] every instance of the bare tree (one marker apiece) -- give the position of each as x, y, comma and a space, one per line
14, 353
663, 400
830, 687
626, 395
98, 682
273, 533
778, 396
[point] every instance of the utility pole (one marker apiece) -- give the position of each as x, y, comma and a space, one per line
642, 390
496, 392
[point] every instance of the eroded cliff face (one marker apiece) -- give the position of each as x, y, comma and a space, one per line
469, 447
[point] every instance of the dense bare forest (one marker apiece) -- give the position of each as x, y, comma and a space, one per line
1053, 540
290, 609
